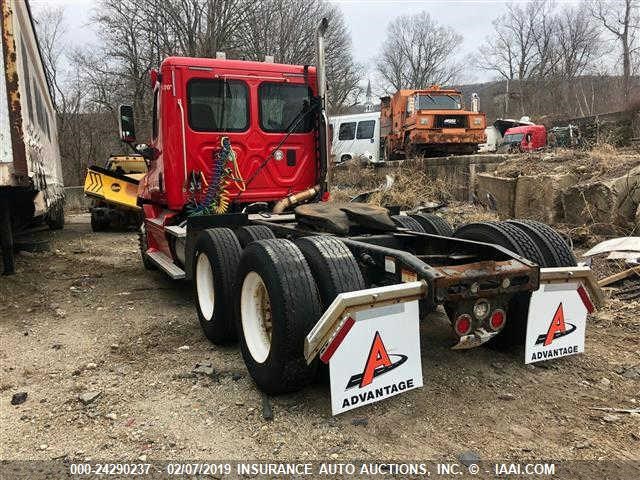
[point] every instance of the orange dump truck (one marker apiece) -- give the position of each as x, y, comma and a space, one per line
429, 122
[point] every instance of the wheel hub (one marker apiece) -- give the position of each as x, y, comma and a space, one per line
256, 314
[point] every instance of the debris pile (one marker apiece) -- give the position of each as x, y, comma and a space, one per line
408, 187
616, 263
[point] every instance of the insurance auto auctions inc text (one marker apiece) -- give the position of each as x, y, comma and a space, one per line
431, 469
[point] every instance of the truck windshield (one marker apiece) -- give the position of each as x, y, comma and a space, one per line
513, 138
437, 102
218, 105
280, 104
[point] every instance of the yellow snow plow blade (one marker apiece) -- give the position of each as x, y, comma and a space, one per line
113, 188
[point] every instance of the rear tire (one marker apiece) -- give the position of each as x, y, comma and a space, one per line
514, 239
334, 268
556, 253
335, 271
215, 263
404, 221
434, 224
552, 245
277, 303
505, 235
253, 233
99, 223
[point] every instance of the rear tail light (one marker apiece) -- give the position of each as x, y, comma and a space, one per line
462, 325
498, 317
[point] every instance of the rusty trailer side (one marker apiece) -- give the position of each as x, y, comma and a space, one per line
31, 185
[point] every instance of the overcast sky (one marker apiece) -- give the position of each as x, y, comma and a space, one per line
367, 20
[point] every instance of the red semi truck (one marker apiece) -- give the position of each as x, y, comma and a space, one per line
235, 201
526, 138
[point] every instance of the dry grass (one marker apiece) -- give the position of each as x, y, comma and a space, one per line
603, 162
459, 213
411, 187
413, 190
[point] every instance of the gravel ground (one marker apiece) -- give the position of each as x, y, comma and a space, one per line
87, 319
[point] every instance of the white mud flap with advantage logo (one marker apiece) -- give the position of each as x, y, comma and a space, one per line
557, 318
376, 355
371, 340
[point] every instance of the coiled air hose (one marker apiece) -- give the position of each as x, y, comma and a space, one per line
224, 172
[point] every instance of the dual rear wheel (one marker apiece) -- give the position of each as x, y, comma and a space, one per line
269, 296
534, 241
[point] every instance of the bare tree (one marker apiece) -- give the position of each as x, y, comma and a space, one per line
138, 34
51, 31
418, 52
83, 133
544, 29
622, 21
286, 29
522, 44
578, 42
498, 53
541, 50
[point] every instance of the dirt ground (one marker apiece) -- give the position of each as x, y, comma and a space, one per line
86, 317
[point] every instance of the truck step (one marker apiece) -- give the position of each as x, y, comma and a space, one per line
164, 263
176, 231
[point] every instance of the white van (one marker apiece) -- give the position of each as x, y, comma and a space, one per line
355, 137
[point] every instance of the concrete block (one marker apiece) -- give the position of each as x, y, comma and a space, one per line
589, 203
539, 197
627, 191
497, 192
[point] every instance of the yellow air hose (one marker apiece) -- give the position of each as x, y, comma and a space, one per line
223, 197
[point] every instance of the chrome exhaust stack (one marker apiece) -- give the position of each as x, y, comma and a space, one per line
321, 83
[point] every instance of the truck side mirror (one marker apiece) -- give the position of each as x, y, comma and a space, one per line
125, 124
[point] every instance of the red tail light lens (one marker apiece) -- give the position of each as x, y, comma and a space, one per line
462, 325
498, 318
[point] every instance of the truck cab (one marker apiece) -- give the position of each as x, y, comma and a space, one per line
227, 134
429, 121
526, 138
198, 101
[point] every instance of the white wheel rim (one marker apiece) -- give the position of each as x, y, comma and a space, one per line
255, 310
204, 286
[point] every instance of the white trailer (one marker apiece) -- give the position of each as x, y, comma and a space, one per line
355, 137
31, 185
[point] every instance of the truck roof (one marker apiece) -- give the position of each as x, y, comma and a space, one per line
431, 90
243, 65
525, 129
356, 116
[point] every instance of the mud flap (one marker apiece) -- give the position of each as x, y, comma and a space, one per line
557, 317
374, 355
556, 323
